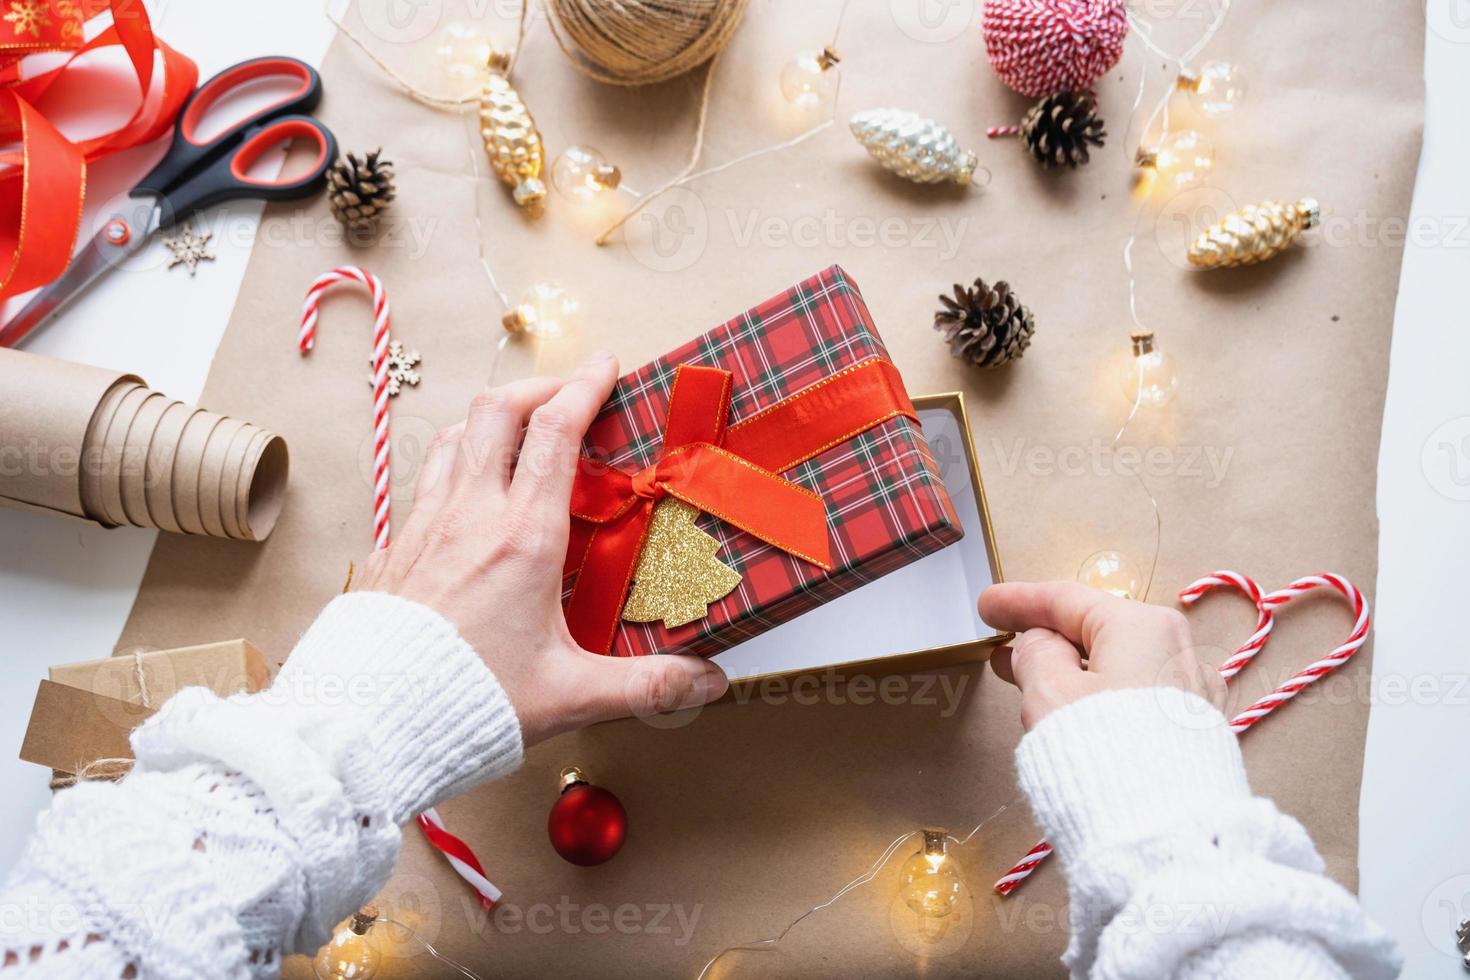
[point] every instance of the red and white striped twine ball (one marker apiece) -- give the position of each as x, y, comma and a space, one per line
1041, 47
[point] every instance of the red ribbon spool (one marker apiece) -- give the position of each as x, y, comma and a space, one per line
45, 179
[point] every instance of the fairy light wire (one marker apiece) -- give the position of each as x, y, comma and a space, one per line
640, 201
872, 871
961, 842
1160, 113
418, 94
689, 174
463, 970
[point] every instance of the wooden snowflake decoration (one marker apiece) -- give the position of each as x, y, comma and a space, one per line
400, 368
189, 249
27, 17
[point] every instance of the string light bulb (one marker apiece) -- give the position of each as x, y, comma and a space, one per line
463, 50
352, 953
582, 174
1149, 378
1216, 89
1111, 571
808, 81
1184, 159
546, 311
930, 882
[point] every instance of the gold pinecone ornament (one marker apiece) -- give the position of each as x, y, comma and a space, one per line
1059, 129
512, 140
359, 188
986, 326
913, 147
1253, 234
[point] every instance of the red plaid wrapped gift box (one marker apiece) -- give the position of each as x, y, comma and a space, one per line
886, 505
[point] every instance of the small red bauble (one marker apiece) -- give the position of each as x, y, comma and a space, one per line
587, 825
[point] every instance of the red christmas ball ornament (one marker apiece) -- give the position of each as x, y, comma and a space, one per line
1042, 47
587, 825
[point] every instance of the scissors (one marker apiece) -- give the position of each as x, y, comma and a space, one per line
196, 174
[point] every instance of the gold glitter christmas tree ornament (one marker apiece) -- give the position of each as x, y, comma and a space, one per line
1253, 234
678, 575
512, 140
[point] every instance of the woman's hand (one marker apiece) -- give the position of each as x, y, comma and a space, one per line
484, 547
1127, 645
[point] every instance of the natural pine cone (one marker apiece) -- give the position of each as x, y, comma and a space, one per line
1059, 128
986, 326
359, 188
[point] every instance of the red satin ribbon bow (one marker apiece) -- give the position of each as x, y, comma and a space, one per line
728, 472
43, 182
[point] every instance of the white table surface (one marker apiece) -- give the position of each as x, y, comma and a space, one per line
65, 590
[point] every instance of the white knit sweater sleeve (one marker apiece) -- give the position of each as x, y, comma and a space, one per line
250, 826
1173, 868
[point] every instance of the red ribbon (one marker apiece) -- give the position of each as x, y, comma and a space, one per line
727, 472
43, 182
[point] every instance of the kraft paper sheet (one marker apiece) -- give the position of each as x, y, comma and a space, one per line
746, 815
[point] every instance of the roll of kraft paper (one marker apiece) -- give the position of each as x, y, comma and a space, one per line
101, 446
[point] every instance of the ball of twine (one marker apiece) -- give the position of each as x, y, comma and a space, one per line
1042, 47
639, 42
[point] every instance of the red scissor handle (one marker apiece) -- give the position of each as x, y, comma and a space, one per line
188, 155
229, 177
303, 99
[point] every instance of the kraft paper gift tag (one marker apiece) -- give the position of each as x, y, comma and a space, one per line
85, 711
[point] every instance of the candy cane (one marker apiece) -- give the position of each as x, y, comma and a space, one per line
1312, 673
1022, 869
1265, 617
382, 496
1266, 606
455, 851
459, 856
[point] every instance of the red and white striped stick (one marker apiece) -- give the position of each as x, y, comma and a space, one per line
1266, 606
455, 851
1004, 132
1265, 617
1312, 673
382, 502
459, 856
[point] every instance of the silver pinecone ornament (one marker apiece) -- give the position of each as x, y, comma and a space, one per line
913, 147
